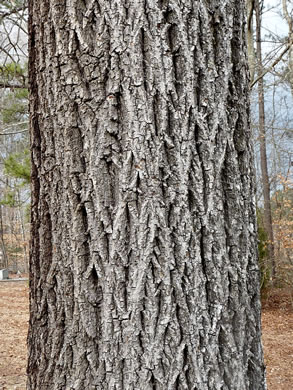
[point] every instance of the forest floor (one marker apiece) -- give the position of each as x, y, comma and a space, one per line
13, 332
277, 319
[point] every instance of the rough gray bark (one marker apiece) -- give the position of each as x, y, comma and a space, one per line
143, 271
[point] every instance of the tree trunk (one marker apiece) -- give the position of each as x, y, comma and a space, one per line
268, 224
250, 5
4, 257
143, 269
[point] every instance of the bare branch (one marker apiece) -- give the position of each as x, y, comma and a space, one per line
15, 132
13, 85
274, 128
270, 68
11, 12
15, 125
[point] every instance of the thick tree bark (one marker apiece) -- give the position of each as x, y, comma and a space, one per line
143, 271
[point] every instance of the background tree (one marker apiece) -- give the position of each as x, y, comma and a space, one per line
13, 36
268, 224
14, 180
14, 190
269, 59
143, 270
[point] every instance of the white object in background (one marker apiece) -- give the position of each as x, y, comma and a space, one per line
4, 274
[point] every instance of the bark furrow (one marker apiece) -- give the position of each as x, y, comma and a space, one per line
143, 259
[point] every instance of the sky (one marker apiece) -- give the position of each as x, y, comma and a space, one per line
272, 21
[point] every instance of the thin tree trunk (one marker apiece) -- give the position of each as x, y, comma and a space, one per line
23, 234
268, 225
143, 269
3, 246
289, 21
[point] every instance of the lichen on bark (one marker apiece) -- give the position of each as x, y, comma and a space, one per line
143, 271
